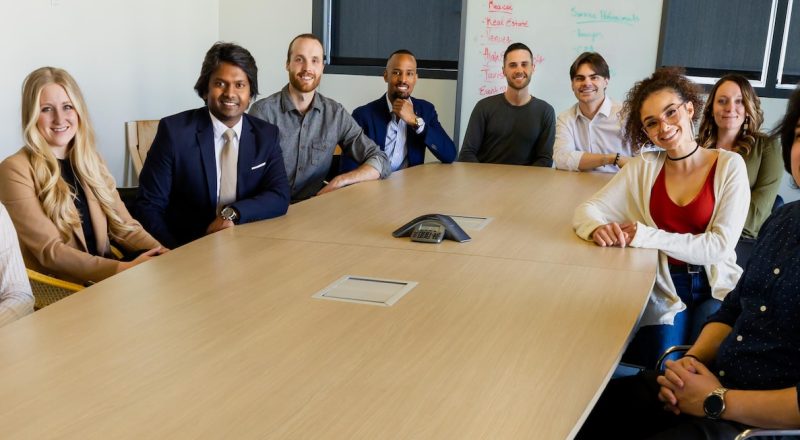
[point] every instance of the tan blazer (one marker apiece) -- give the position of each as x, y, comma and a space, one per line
43, 249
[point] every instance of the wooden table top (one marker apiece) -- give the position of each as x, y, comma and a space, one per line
222, 338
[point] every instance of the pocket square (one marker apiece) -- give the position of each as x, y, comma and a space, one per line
259, 165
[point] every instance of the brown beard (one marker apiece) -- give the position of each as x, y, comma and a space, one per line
302, 87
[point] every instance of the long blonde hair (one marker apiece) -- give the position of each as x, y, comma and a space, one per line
54, 194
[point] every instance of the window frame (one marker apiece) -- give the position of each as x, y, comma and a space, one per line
321, 25
769, 84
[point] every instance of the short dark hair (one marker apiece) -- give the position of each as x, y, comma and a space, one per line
400, 52
785, 130
594, 59
672, 78
309, 36
516, 46
222, 52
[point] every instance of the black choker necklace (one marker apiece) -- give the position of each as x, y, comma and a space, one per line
684, 157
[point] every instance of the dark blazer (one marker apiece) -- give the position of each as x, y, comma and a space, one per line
375, 116
177, 196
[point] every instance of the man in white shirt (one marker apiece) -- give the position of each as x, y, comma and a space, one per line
589, 134
16, 299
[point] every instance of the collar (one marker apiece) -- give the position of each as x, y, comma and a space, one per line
287, 105
605, 108
220, 128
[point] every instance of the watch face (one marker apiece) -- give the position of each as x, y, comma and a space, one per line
713, 406
228, 213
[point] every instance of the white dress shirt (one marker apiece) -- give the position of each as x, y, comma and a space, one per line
16, 298
219, 142
576, 134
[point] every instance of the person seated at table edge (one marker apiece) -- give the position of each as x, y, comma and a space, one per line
401, 126
312, 125
589, 134
213, 167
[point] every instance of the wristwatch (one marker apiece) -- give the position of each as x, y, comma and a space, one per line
420, 122
229, 213
714, 405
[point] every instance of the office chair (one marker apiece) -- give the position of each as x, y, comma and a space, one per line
139, 137
47, 289
747, 433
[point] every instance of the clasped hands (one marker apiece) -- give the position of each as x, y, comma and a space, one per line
685, 385
614, 234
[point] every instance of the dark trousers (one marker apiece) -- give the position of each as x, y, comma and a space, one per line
652, 340
629, 409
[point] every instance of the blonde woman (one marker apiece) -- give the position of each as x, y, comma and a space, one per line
59, 193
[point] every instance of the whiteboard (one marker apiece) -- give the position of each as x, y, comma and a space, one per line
625, 32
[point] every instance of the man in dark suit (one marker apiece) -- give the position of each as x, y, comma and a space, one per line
401, 126
213, 167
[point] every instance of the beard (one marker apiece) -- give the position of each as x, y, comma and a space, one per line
525, 83
302, 86
399, 95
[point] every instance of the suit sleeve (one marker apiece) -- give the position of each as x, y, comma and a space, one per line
272, 197
473, 136
155, 186
437, 140
544, 145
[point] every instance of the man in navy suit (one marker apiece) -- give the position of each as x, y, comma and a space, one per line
401, 126
213, 167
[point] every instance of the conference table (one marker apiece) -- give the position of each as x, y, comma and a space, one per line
511, 335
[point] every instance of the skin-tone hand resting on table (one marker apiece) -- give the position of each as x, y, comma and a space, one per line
60, 195
688, 202
744, 369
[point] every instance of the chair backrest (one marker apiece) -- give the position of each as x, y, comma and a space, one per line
139, 137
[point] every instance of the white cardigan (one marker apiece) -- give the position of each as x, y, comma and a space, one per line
626, 198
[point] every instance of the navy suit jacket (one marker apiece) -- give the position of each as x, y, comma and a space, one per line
375, 116
177, 197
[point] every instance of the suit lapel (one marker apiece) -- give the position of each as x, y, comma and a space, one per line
247, 153
205, 143
99, 223
386, 116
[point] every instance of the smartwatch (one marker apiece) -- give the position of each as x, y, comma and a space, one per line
229, 213
714, 405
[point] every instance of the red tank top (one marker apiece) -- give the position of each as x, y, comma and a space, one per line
692, 218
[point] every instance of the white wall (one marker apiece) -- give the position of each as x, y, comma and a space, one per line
132, 60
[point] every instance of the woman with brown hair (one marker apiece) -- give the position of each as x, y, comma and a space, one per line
732, 121
688, 202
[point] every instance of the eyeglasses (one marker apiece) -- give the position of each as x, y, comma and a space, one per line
671, 116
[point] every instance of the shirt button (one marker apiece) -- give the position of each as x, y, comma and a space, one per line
763, 308
721, 373
776, 271
739, 338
